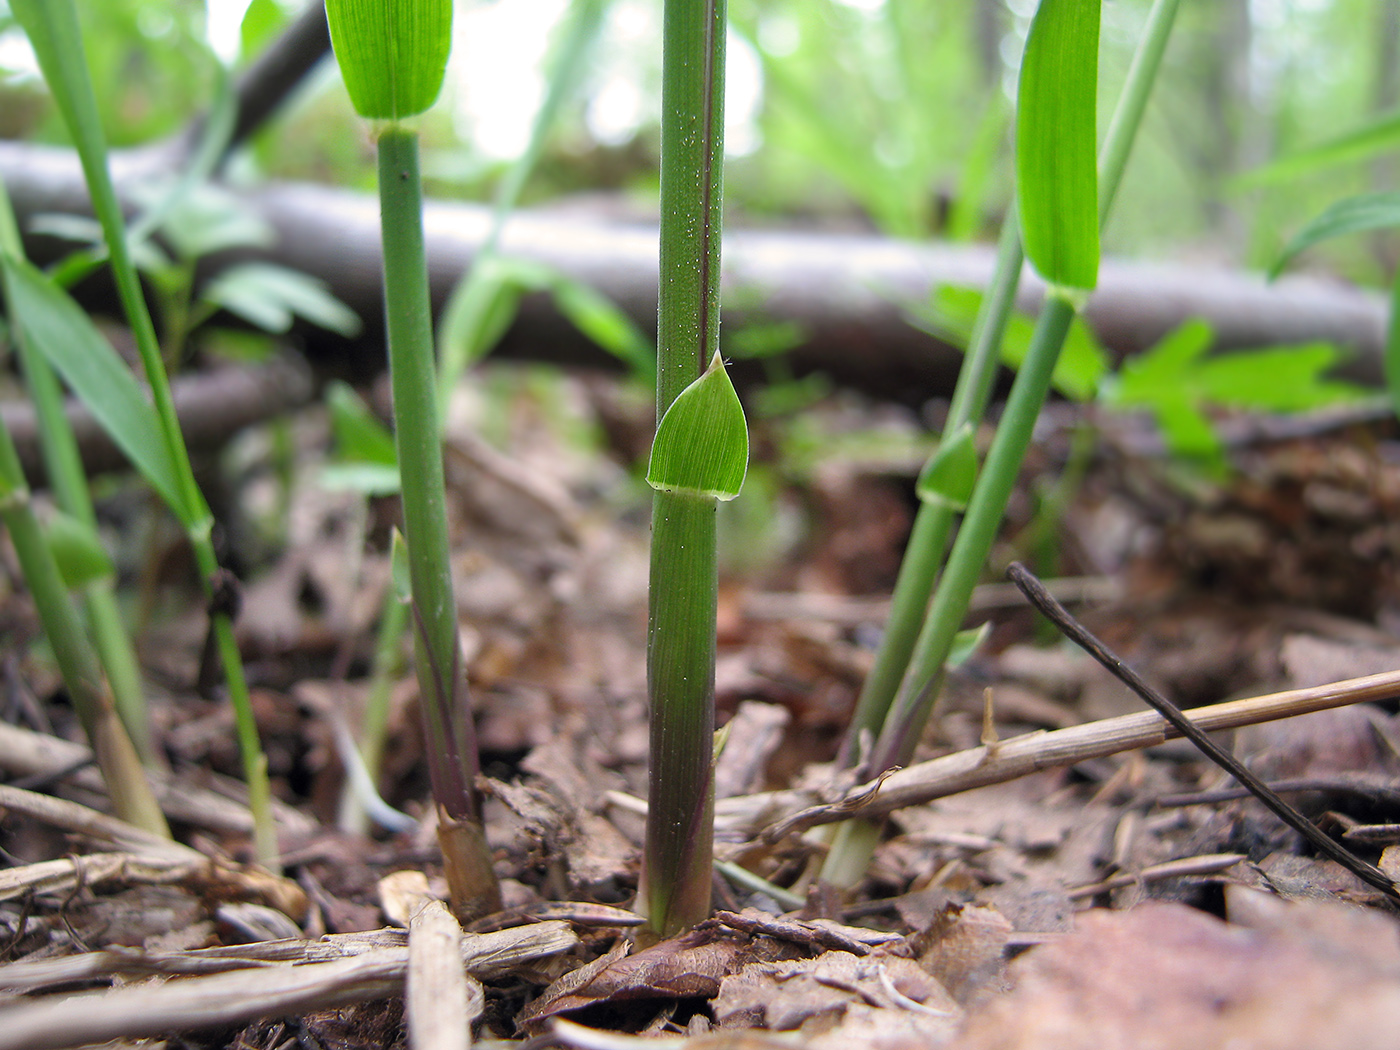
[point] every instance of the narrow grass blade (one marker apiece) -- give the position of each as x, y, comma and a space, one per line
1378, 135
1359, 214
59, 329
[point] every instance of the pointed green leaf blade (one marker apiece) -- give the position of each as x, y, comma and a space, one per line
1359, 214
1056, 170
400, 573
951, 472
966, 643
359, 435
392, 55
59, 329
702, 442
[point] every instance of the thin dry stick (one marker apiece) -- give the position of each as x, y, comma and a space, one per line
441, 1001
1023, 755
1038, 596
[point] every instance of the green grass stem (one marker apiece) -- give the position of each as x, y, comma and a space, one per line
677, 862
896, 742
933, 524
53, 30
130, 792
64, 467
418, 440
910, 662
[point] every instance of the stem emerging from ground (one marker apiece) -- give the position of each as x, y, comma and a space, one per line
677, 865
442, 685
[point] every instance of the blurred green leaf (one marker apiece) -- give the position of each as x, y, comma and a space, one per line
359, 435
1056, 167
201, 219
261, 21
59, 329
1179, 382
1275, 379
1081, 367
271, 297
600, 319
702, 442
1360, 214
482, 308
79, 553
759, 339
1378, 135
368, 479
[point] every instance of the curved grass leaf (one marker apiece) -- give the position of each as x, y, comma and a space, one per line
391, 55
59, 329
1359, 214
1378, 135
1056, 169
702, 442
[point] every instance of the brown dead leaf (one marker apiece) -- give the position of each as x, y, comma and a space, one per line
685, 967
815, 995
1168, 977
964, 948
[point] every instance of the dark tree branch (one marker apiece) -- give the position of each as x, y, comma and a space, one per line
264, 86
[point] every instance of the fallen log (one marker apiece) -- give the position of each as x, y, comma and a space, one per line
850, 294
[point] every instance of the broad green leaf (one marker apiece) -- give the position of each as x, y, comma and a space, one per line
60, 330
1056, 169
1275, 379
702, 442
392, 53
951, 472
1160, 370
271, 297
1360, 214
1186, 431
359, 435
79, 553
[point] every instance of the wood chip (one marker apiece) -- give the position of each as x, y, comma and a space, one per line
442, 1001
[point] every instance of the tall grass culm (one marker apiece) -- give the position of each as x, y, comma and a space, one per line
699, 456
147, 429
393, 57
1056, 182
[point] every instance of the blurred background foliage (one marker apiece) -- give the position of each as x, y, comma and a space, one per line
848, 114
